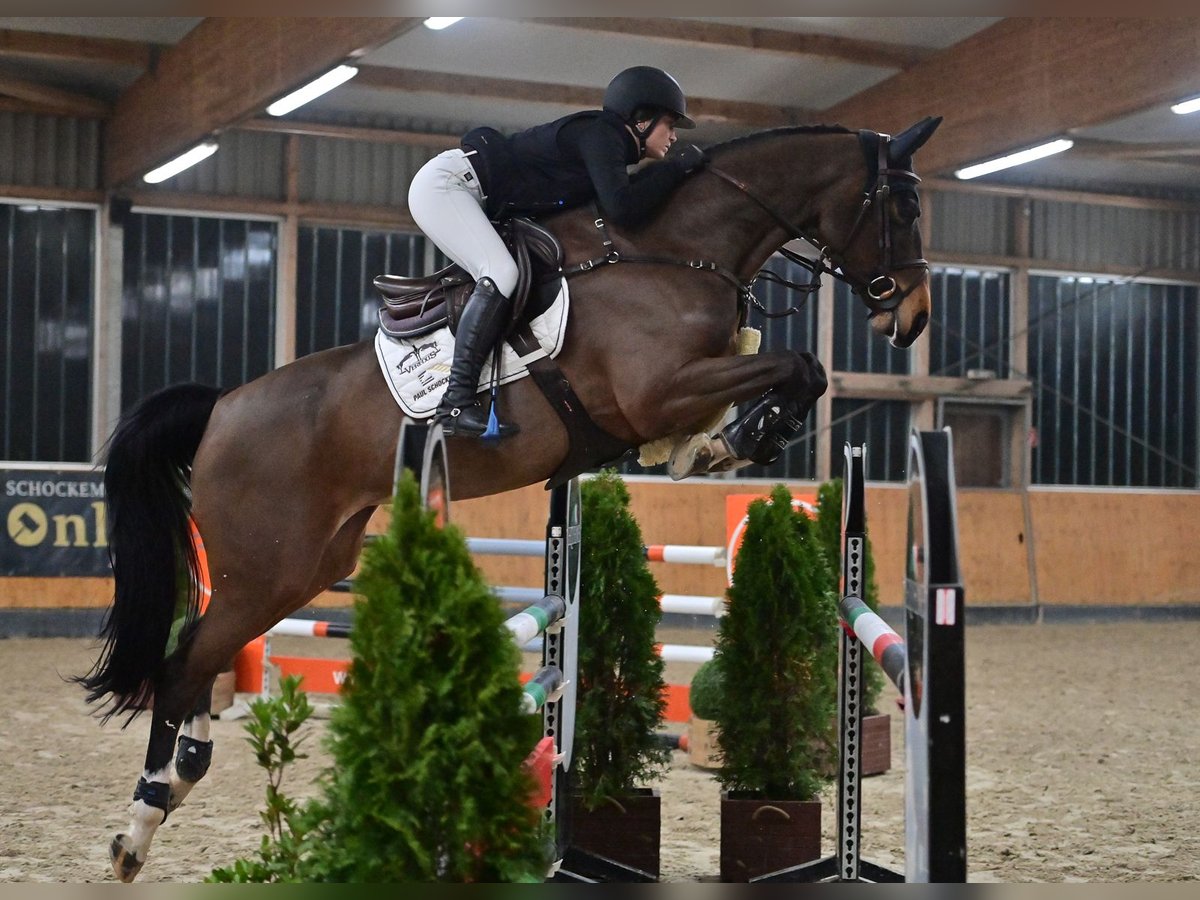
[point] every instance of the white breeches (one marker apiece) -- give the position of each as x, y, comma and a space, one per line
446, 202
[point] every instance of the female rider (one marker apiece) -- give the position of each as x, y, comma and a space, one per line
456, 196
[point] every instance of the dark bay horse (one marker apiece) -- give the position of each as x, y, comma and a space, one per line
281, 475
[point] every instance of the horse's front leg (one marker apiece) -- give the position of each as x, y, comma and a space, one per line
790, 384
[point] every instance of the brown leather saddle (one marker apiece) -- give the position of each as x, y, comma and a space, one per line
416, 306
423, 303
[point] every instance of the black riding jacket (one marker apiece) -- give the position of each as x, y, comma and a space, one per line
566, 163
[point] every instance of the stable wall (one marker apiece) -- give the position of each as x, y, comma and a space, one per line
1093, 548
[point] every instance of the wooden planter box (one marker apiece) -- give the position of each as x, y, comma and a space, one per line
760, 836
876, 744
628, 832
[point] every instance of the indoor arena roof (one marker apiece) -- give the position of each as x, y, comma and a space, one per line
164, 84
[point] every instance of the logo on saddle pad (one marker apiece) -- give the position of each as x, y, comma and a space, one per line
417, 357
417, 370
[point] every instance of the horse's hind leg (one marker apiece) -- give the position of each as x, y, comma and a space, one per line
194, 752
151, 797
186, 675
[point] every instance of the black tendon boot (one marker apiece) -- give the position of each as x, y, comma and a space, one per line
763, 431
479, 328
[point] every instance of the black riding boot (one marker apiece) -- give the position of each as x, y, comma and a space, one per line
479, 328
763, 431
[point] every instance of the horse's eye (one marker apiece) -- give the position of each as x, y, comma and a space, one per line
907, 207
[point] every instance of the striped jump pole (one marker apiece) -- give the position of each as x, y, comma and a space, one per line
527, 625
686, 604
877, 636
309, 628
688, 653
685, 554
536, 618
541, 689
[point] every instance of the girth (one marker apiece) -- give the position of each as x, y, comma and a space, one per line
417, 305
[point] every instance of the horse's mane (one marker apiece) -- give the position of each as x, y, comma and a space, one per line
746, 140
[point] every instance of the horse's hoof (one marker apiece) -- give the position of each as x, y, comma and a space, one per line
125, 862
690, 457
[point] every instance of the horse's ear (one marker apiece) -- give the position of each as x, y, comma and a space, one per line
909, 141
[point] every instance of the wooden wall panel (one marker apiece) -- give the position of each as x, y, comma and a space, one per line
991, 552
1093, 548
55, 593
1118, 549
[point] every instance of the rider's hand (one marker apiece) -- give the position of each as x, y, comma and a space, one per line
688, 157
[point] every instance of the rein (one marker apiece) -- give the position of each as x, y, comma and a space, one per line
612, 256
881, 293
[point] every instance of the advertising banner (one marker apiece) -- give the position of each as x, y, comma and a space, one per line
736, 519
54, 522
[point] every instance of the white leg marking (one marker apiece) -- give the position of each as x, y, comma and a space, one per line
145, 820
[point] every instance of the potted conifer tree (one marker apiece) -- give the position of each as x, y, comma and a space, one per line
620, 699
428, 779
777, 655
876, 725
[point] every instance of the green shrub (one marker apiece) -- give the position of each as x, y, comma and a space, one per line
274, 733
428, 742
777, 651
705, 694
620, 698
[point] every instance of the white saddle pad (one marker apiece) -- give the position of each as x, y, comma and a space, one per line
417, 370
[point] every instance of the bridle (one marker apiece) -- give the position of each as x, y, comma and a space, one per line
880, 291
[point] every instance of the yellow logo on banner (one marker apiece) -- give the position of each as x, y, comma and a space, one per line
27, 524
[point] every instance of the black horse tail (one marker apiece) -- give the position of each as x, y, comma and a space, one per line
146, 488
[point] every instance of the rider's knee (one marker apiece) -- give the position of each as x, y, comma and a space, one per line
503, 273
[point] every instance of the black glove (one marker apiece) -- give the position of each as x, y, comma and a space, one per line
688, 157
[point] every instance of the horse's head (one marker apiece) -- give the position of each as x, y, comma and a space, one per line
876, 242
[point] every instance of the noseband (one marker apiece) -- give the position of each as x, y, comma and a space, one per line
880, 292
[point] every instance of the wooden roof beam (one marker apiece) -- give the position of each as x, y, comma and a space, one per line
13, 105
222, 72
1183, 152
54, 99
352, 133
77, 48
701, 109
1023, 81
767, 40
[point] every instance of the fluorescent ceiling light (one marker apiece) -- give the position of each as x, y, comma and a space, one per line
437, 23
1187, 106
1014, 159
179, 163
312, 90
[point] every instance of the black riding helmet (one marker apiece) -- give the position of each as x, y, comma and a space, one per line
642, 87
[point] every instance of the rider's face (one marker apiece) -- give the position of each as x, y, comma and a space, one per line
661, 137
